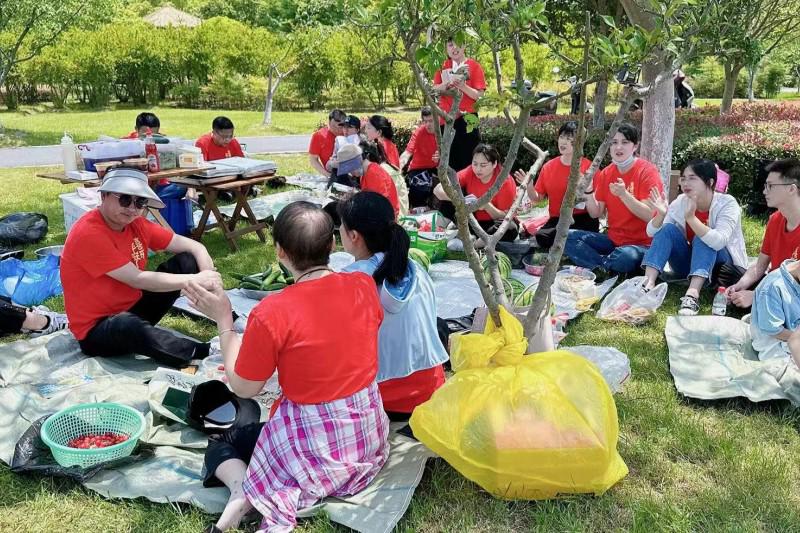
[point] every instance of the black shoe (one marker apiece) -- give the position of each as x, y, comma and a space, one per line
212, 529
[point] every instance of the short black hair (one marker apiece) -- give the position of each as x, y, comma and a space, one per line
568, 129
147, 119
338, 115
425, 111
305, 232
489, 152
789, 169
221, 123
630, 132
372, 151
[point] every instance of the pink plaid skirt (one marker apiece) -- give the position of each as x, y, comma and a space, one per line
308, 452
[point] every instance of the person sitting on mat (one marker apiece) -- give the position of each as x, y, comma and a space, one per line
781, 237
475, 180
36, 321
700, 229
327, 435
410, 354
113, 302
776, 311
622, 189
364, 163
552, 184
421, 156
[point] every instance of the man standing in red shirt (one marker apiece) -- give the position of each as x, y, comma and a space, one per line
623, 188
464, 74
423, 152
781, 238
112, 301
219, 144
320, 150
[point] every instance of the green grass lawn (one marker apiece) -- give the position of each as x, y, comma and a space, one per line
694, 466
42, 125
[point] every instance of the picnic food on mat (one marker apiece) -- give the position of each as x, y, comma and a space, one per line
576, 281
420, 257
97, 440
274, 278
627, 312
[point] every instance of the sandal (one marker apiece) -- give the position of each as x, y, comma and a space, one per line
689, 306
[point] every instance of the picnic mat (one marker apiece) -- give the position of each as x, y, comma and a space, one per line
40, 376
711, 357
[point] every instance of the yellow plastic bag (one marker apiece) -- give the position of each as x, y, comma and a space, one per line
504, 345
543, 427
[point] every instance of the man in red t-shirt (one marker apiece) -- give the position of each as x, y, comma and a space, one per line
622, 190
219, 144
463, 74
145, 121
781, 238
552, 184
320, 149
475, 181
112, 301
423, 153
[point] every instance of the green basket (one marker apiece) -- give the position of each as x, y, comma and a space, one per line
92, 418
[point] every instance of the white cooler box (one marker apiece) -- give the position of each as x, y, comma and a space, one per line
75, 207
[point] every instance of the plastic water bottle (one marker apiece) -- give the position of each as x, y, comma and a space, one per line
719, 306
151, 152
68, 153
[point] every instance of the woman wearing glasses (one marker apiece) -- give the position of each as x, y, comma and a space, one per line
699, 230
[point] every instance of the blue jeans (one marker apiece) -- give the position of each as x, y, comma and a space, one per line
669, 245
595, 250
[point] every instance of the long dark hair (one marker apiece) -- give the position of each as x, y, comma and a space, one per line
372, 216
383, 125
705, 169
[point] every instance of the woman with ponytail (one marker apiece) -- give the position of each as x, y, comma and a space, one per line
379, 129
410, 354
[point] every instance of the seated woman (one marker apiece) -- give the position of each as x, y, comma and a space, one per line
364, 162
552, 184
379, 129
700, 229
776, 312
410, 354
327, 435
475, 180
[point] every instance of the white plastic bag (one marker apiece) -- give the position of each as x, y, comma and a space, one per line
630, 303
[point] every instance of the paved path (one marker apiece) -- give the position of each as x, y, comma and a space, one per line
34, 156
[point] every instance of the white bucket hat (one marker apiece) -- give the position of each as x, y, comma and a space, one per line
133, 182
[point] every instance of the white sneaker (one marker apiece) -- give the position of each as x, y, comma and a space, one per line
56, 322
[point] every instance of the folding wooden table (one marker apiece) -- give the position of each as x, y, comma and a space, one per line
211, 187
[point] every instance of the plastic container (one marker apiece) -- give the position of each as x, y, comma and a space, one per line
534, 263
139, 163
103, 168
50, 250
189, 157
92, 418
167, 156
68, 153
178, 214
719, 306
151, 153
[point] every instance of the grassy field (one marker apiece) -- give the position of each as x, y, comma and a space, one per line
694, 466
42, 125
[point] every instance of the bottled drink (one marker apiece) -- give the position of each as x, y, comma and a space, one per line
720, 304
68, 153
151, 152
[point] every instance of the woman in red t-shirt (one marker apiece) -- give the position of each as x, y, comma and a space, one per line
475, 181
328, 434
379, 129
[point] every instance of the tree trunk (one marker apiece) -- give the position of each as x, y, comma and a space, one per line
600, 95
731, 74
751, 78
658, 120
267, 120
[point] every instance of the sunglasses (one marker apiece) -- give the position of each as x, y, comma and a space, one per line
125, 200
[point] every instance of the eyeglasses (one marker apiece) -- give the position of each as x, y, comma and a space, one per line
125, 200
768, 186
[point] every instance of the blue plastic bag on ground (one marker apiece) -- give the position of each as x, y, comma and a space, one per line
30, 283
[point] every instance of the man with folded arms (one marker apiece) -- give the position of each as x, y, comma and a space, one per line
112, 301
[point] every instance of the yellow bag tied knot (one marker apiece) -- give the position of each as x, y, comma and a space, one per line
496, 346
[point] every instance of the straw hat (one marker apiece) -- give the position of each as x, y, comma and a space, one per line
133, 182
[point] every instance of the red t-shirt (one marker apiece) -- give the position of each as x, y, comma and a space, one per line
625, 228
132, 135
473, 185
322, 144
403, 395
702, 216
422, 146
392, 155
477, 81
91, 251
378, 180
212, 151
321, 335
780, 244
552, 182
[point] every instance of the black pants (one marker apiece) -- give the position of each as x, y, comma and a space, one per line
236, 443
134, 330
490, 226
11, 317
464, 144
547, 233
